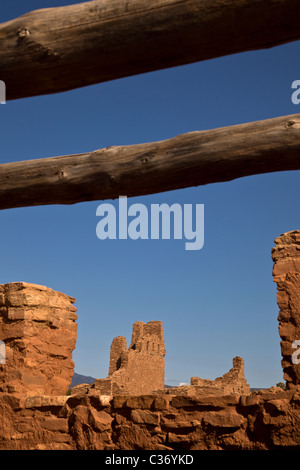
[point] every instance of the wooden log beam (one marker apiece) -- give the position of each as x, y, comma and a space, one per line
191, 159
57, 49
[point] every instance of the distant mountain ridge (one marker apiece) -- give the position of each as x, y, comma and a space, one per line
81, 379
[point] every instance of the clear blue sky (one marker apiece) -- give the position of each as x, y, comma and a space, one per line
215, 303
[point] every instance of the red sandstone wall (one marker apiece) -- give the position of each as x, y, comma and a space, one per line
38, 328
286, 272
265, 420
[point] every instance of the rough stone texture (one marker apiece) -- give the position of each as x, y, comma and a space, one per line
268, 419
286, 273
37, 326
231, 383
140, 369
118, 346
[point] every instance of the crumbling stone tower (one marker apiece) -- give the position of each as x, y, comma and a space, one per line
140, 369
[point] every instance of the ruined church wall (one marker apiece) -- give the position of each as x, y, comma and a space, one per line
143, 373
231, 383
140, 369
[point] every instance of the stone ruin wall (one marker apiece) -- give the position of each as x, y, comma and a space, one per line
286, 273
140, 369
37, 326
265, 420
231, 383
39, 330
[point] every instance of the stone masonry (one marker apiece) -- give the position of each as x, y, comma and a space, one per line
140, 369
286, 273
38, 329
231, 383
265, 420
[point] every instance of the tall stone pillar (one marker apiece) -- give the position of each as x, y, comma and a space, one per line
118, 346
38, 331
286, 273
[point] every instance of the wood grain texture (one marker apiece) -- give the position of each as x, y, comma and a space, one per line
58, 49
191, 159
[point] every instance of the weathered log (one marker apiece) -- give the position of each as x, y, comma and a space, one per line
58, 49
191, 159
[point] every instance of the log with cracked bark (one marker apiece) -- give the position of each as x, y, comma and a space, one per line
57, 49
191, 159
